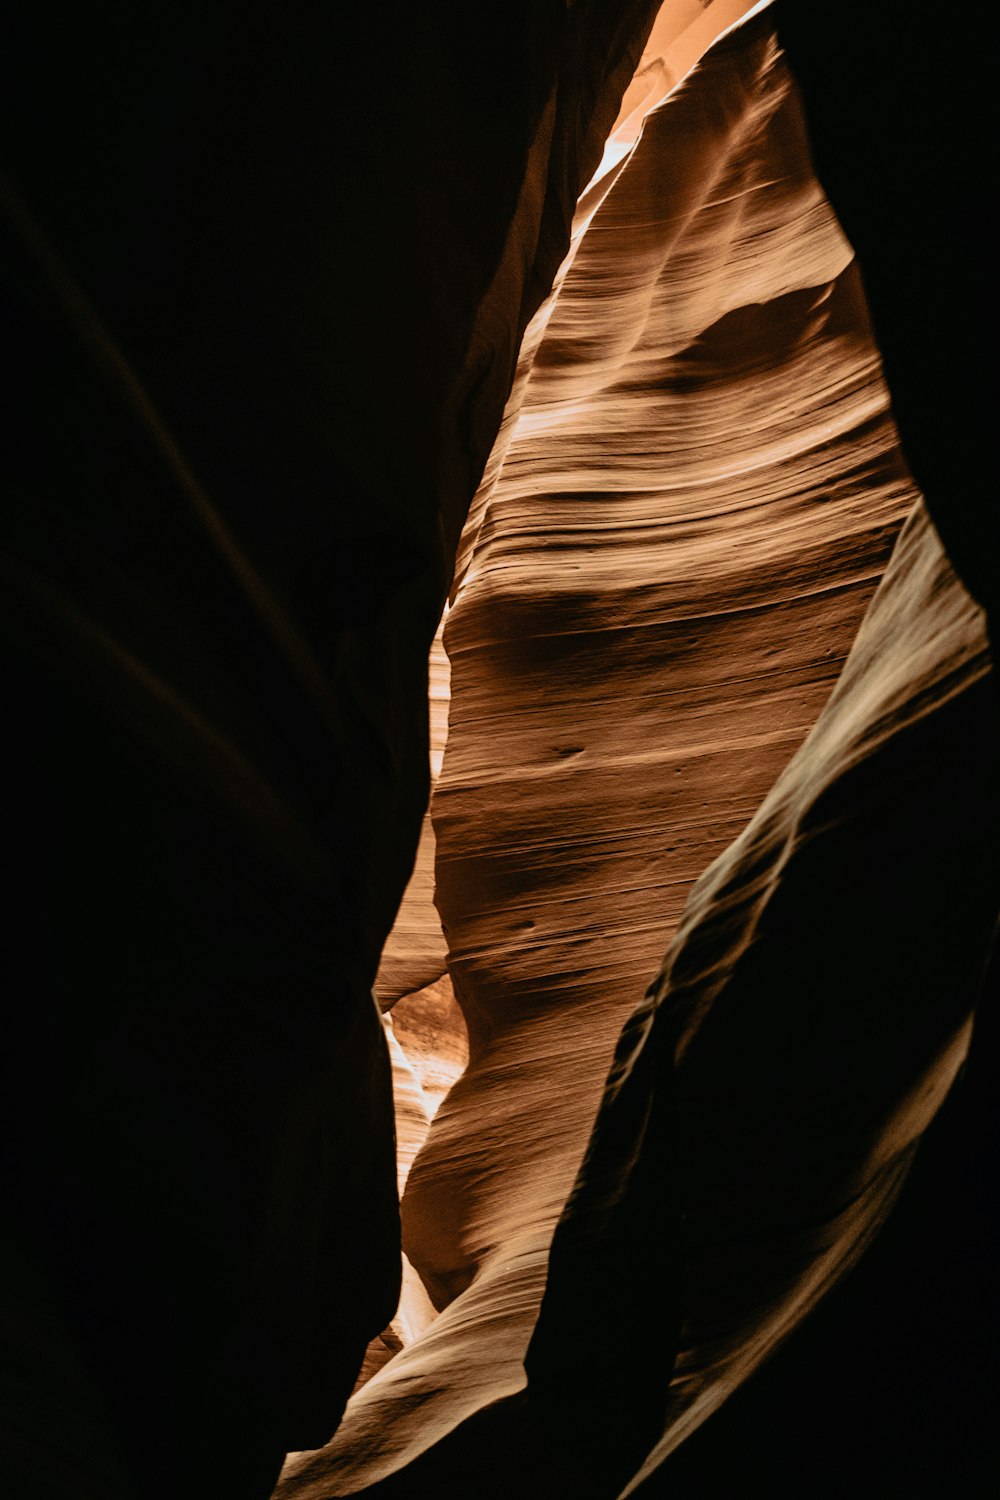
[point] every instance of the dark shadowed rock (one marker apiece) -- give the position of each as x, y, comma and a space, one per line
261, 333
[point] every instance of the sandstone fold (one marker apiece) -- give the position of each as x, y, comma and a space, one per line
905, 167
811, 1015
695, 493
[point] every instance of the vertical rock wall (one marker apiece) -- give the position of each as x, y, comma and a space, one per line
678, 536
261, 338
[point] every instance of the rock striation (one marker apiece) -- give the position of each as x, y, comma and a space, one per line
694, 493
310, 325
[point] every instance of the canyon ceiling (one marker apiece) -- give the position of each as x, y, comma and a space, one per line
325, 326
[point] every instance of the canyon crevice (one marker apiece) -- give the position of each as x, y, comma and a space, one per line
694, 492
340, 349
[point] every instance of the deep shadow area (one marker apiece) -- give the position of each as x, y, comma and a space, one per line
889, 1387
900, 116
253, 389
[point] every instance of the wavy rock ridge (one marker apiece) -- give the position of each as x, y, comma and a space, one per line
284, 292
695, 491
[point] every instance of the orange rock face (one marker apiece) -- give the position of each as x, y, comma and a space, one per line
692, 499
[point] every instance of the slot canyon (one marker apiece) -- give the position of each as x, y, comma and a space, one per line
503, 753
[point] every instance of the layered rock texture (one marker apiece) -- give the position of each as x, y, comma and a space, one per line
695, 490
320, 319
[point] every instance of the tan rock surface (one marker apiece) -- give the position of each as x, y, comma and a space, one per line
415, 953
810, 1017
685, 518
